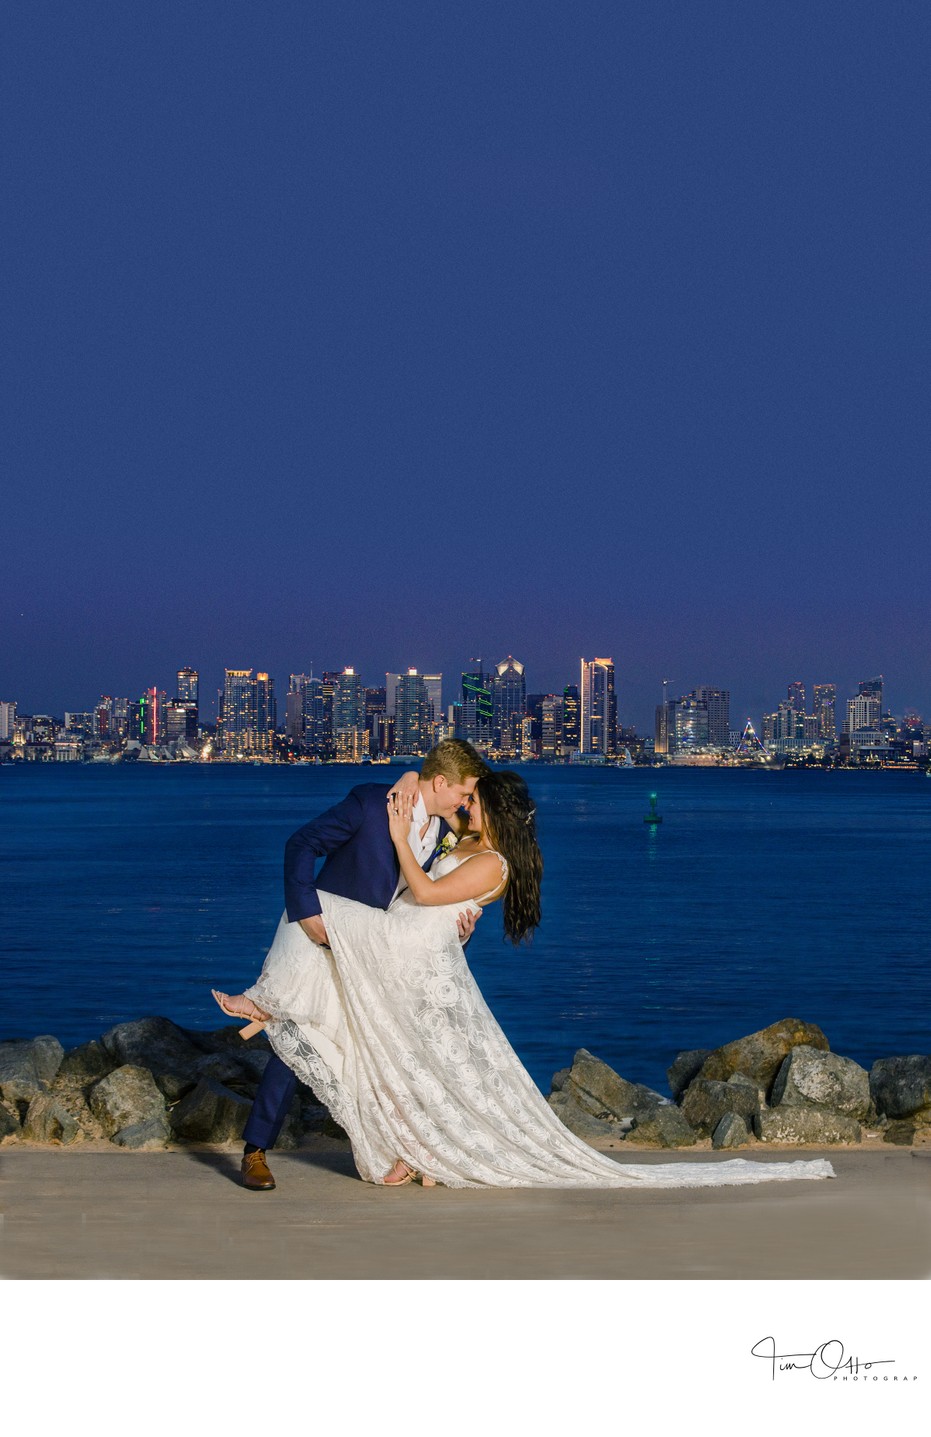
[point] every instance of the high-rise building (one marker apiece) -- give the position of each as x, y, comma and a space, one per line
599, 707
374, 716
571, 720
103, 717
435, 716
188, 681
294, 708
475, 717
119, 718
689, 725
7, 720
825, 706
349, 702
79, 723
391, 693
863, 712
664, 712
152, 716
181, 721
551, 727
188, 686
238, 710
870, 703
411, 723
509, 700
718, 702
796, 696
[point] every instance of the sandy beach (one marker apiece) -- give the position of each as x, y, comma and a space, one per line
94, 1212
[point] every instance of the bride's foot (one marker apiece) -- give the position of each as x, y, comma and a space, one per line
401, 1174
239, 1006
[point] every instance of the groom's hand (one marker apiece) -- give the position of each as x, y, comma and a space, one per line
315, 929
467, 922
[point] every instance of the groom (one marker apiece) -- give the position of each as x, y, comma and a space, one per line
361, 863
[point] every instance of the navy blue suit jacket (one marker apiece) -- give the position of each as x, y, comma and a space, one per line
361, 862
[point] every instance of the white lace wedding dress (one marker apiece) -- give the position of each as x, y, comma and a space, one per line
389, 1029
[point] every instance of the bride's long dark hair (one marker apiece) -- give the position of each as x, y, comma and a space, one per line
508, 825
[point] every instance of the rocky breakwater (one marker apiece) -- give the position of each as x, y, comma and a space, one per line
142, 1085
781, 1085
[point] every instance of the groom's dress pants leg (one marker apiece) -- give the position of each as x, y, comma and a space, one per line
271, 1105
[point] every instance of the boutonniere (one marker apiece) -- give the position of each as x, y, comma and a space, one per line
447, 846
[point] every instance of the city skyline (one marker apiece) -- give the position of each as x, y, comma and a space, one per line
447, 684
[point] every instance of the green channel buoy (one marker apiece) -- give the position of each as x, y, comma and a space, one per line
652, 816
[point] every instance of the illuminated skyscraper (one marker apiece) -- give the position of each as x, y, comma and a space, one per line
509, 701
475, 718
434, 686
796, 696
266, 714
411, 723
551, 727
825, 711
152, 716
571, 720
349, 702
718, 702
7, 720
180, 721
599, 707
238, 710
103, 716
187, 693
188, 685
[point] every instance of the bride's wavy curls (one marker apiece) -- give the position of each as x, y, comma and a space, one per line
508, 815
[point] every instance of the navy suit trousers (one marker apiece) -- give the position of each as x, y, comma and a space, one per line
271, 1105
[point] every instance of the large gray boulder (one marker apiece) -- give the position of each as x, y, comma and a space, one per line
89, 1061
686, 1067
28, 1066
210, 1113
731, 1132
144, 1137
578, 1120
126, 1097
663, 1128
706, 1103
603, 1093
153, 1043
760, 1055
47, 1121
901, 1087
810, 1078
805, 1125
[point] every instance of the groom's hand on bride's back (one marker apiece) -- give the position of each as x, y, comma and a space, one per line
467, 922
314, 928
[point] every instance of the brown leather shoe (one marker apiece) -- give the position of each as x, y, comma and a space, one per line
256, 1174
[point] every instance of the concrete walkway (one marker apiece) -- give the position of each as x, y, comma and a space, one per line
67, 1213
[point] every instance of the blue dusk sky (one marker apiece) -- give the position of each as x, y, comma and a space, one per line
396, 334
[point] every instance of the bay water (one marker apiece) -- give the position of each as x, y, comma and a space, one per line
132, 889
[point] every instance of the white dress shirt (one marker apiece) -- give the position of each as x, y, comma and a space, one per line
420, 847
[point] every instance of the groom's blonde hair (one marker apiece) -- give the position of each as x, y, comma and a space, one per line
455, 760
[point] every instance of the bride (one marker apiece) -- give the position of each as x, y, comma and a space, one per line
389, 1028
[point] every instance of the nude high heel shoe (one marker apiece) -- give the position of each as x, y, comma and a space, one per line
411, 1175
250, 1029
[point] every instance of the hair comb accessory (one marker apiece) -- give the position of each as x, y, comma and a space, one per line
530, 815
